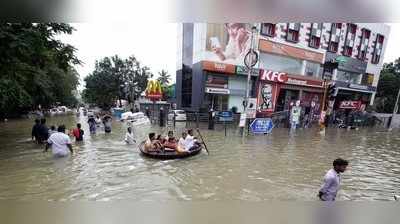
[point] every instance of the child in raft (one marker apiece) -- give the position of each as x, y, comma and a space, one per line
152, 144
170, 143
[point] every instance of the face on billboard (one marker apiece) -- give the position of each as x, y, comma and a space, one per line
266, 97
228, 43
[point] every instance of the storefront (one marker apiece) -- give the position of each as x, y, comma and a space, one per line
352, 82
277, 90
225, 86
348, 92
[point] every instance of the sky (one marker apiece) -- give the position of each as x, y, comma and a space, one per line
153, 44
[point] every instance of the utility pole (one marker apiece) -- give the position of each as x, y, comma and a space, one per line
395, 110
323, 111
250, 62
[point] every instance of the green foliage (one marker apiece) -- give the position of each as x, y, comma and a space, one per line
164, 78
35, 67
115, 78
388, 87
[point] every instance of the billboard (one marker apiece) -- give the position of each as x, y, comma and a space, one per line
267, 95
228, 42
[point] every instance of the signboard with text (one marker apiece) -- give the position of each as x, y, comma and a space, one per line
262, 126
225, 116
350, 104
282, 77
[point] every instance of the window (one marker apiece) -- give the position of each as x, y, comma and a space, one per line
347, 51
350, 36
367, 79
362, 49
292, 34
314, 42
281, 63
333, 47
376, 55
268, 29
315, 35
335, 37
186, 86
349, 77
312, 69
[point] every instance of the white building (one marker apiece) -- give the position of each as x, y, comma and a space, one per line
296, 52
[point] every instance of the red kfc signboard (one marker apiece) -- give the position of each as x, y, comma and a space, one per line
350, 104
268, 75
282, 77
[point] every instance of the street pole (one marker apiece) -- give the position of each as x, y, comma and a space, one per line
323, 113
246, 100
395, 110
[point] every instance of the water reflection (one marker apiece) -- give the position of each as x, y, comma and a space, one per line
255, 168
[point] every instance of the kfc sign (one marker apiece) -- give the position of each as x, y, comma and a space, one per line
350, 104
268, 75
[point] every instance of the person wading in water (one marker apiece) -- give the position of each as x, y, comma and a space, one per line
332, 180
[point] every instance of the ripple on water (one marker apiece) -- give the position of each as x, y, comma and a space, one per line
278, 166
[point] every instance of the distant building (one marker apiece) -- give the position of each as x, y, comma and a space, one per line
290, 67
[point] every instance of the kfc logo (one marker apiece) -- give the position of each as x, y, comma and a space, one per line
273, 76
350, 104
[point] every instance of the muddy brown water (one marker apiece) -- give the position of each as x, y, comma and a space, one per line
279, 166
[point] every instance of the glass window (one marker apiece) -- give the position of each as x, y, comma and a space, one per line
312, 69
268, 29
280, 63
349, 77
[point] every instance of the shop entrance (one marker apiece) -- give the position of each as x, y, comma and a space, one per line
218, 102
286, 96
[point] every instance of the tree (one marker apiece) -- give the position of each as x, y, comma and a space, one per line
115, 78
35, 67
164, 78
388, 87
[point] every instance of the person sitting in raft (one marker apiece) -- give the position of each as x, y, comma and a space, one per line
184, 143
170, 141
192, 140
152, 144
160, 139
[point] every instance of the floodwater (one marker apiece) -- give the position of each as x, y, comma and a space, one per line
279, 166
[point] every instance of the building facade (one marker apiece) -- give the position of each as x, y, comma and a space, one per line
211, 71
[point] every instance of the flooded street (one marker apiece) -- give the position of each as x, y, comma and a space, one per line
278, 166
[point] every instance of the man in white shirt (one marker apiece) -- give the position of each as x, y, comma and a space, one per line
332, 180
59, 142
129, 138
186, 141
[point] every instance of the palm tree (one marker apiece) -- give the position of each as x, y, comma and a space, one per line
163, 78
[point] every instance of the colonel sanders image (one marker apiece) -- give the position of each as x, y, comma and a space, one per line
266, 94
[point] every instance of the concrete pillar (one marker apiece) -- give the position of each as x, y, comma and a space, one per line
334, 75
371, 102
303, 67
360, 78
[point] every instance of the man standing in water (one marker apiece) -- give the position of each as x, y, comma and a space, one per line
78, 133
43, 131
35, 131
332, 180
60, 143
